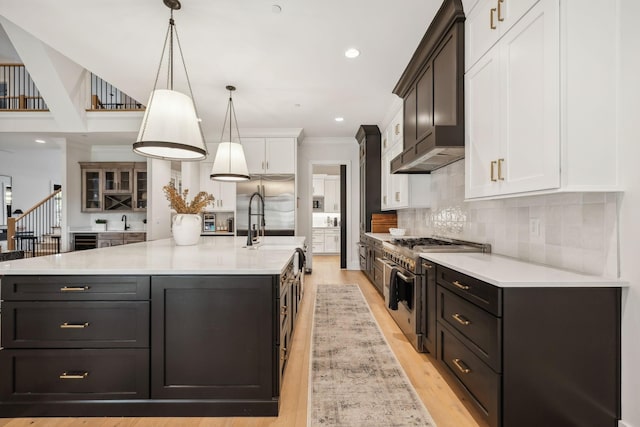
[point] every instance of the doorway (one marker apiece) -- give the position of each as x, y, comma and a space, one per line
329, 208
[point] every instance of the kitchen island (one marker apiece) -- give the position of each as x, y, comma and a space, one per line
149, 329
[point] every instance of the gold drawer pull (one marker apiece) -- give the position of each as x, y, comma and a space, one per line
491, 15
284, 355
461, 319
500, 17
461, 366
74, 288
68, 376
460, 285
66, 325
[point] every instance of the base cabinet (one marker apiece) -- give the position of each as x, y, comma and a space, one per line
204, 315
531, 356
146, 345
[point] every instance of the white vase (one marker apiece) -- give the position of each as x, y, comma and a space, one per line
186, 229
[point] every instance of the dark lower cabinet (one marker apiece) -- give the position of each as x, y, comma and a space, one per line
530, 357
212, 337
97, 374
146, 345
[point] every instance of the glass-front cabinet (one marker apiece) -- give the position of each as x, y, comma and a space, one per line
117, 180
114, 186
91, 190
140, 189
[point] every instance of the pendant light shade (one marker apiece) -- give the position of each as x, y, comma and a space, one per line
230, 163
170, 127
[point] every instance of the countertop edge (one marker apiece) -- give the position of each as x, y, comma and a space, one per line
500, 275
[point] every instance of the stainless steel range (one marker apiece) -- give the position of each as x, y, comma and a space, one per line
409, 284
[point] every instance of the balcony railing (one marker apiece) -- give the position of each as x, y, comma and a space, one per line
105, 96
18, 92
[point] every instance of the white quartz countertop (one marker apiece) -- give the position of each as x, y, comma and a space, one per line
223, 255
91, 230
508, 272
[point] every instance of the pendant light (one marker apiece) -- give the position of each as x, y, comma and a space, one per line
170, 127
230, 163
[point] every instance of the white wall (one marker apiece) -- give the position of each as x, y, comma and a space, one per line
158, 211
72, 215
577, 231
329, 151
33, 173
629, 111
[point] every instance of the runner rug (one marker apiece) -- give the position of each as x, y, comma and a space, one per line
355, 379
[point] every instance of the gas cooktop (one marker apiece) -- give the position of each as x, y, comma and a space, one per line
415, 245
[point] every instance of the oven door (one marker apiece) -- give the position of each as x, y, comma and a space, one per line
407, 314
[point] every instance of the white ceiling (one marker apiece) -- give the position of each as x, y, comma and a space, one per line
275, 60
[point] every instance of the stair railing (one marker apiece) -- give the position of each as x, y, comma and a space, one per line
37, 231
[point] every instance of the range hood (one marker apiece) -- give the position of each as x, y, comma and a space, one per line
432, 91
441, 147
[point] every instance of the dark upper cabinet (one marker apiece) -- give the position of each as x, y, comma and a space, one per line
432, 88
368, 137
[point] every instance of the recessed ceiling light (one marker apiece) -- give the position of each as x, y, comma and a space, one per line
352, 53
41, 141
339, 119
276, 8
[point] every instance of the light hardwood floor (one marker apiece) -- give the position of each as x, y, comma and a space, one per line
443, 402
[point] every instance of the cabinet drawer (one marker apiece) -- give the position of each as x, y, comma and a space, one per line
75, 324
479, 381
481, 329
111, 236
75, 288
37, 375
134, 237
482, 294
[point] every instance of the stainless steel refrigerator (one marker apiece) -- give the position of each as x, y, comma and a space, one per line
279, 196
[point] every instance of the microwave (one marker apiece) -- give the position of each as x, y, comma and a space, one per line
318, 204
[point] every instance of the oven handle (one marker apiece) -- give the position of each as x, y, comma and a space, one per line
393, 265
405, 278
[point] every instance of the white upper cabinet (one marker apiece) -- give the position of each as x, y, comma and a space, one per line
512, 109
539, 107
489, 20
223, 192
399, 191
270, 155
318, 185
332, 194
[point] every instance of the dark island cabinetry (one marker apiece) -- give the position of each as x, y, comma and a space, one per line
70, 338
154, 345
212, 337
532, 356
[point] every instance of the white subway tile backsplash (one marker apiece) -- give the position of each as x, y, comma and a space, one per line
576, 231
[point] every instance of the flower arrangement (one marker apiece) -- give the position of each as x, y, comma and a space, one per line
179, 203
101, 221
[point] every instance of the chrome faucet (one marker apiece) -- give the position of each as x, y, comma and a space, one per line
124, 218
260, 214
